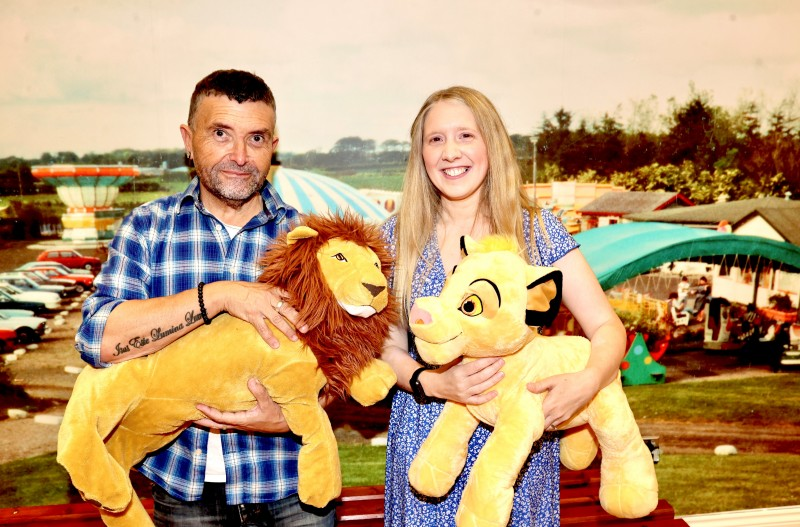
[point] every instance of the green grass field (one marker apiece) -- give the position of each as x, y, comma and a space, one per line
756, 401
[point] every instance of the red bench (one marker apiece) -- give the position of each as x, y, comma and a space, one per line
363, 507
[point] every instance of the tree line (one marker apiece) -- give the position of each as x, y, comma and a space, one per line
697, 148
703, 151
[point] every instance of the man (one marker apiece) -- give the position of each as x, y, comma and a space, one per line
177, 262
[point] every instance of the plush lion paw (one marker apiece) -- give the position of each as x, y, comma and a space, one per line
466, 517
319, 494
578, 448
373, 383
629, 489
429, 478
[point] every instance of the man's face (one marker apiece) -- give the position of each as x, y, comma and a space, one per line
232, 145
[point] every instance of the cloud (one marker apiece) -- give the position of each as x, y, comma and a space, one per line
86, 75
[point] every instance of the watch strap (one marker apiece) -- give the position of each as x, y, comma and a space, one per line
416, 387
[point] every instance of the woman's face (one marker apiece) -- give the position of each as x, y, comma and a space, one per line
453, 151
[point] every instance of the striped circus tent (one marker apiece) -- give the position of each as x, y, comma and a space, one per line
315, 194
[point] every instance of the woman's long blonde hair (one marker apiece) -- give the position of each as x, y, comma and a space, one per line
502, 197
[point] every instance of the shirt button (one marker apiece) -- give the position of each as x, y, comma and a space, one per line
198, 452
218, 227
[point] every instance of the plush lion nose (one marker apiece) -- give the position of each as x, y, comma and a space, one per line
374, 290
417, 315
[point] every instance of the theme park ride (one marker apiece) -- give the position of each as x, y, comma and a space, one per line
89, 192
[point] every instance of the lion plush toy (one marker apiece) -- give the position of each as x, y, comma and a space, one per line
334, 270
490, 306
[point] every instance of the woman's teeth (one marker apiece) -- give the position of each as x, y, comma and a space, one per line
453, 172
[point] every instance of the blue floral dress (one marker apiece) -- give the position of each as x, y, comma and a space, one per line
536, 493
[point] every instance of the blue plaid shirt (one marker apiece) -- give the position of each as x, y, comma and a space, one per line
163, 248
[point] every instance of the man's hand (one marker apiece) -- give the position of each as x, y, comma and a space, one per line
253, 302
266, 416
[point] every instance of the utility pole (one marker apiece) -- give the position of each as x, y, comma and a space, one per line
533, 142
19, 180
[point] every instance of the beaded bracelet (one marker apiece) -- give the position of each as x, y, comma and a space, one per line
203, 312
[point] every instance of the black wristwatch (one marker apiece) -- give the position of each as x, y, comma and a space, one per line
416, 386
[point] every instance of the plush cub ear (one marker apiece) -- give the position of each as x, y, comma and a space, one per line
300, 233
467, 244
544, 295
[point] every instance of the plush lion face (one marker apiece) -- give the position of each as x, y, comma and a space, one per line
487, 304
353, 273
335, 270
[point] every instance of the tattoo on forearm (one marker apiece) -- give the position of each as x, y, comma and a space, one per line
157, 334
191, 317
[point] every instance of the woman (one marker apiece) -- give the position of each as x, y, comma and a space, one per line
463, 179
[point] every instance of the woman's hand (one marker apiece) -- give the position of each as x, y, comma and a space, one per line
266, 416
567, 394
464, 382
254, 302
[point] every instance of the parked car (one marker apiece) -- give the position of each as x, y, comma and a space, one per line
9, 302
42, 279
8, 340
82, 282
71, 258
17, 312
57, 265
28, 329
28, 282
49, 299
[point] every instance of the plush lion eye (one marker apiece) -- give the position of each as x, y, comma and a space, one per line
340, 257
472, 306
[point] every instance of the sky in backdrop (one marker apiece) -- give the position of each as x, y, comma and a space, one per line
94, 76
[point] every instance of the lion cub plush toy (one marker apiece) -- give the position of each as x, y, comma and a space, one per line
334, 270
487, 308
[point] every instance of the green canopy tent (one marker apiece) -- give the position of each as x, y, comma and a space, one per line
624, 250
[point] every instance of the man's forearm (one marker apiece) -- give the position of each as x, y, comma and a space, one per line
140, 327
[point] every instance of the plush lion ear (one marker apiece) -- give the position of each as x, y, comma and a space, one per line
544, 295
300, 233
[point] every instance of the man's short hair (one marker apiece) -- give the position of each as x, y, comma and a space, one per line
236, 85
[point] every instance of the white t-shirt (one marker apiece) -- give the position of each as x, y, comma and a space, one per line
215, 461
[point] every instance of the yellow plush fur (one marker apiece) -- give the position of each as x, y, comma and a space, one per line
487, 308
117, 415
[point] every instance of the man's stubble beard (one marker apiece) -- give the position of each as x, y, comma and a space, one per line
233, 195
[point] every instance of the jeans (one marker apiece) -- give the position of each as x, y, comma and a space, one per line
212, 510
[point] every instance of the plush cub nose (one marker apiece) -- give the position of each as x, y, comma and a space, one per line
417, 315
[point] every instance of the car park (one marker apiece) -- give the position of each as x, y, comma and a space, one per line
29, 282
49, 299
27, 329
9, 302
71, 258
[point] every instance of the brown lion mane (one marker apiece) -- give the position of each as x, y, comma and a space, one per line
343, 344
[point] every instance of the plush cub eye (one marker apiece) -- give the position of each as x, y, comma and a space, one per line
472, 306
340, 257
